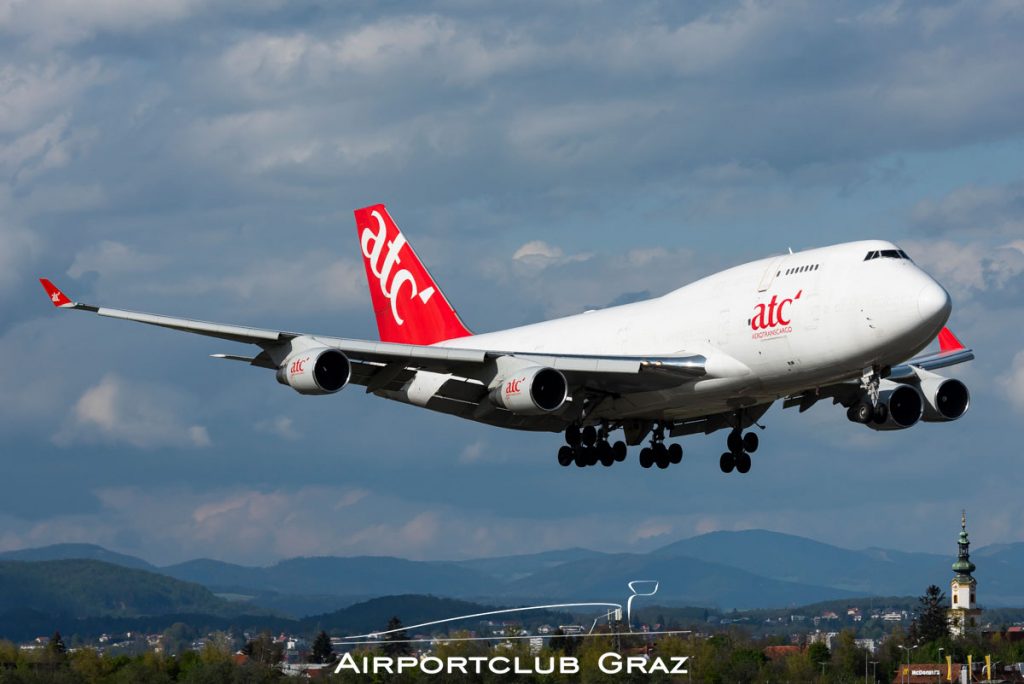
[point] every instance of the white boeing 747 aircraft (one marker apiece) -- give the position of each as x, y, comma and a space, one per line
841, 323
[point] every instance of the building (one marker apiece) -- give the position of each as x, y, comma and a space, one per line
963, 611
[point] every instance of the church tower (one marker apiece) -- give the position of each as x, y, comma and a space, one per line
963, 612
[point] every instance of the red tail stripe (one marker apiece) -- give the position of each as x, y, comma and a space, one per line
948, 341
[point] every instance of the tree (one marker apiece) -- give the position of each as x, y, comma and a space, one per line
323, 650
818, 653
396, 640
56, 645
931, 620
263, 650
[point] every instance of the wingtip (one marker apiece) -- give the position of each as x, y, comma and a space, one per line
948, 341
57, 298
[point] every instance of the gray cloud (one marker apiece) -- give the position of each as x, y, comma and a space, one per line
203, 159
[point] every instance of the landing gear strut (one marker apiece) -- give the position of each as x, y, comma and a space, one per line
589, 446
659, 454
740, 447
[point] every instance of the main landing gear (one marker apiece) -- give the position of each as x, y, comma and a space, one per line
659, 454
740, 447
589, 446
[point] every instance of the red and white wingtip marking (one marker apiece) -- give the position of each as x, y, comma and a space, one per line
948, 341
56, 296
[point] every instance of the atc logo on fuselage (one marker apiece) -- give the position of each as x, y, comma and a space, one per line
772, 319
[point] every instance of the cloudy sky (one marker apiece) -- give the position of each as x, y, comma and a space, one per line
204, 158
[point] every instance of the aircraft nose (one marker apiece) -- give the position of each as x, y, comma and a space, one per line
933, 303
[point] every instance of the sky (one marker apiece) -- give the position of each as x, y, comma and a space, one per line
203, 159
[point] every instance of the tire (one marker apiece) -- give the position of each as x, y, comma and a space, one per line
619, 451
572, 435
727, 462
661, 456
862, 413
604, 454
743, 463
565, 456
880, 414
750, 442
675, 453
646, 457
589, 436
735, 441
581, 457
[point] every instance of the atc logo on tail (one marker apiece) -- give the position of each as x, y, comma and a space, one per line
409, 306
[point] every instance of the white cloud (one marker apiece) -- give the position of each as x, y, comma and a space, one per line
142, 416
971, 269
110, 258
1013, 382
301, 282
282, 426
36, 91
978, 209
46, 23
537, 249
19, 249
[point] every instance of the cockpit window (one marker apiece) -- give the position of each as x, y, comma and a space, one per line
887, 254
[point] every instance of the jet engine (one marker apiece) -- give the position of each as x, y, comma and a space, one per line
531, 391
899, 407
315, 371
945, 399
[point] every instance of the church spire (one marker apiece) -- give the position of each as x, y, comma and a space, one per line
963, 566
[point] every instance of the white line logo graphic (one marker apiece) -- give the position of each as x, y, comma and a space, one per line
373, 247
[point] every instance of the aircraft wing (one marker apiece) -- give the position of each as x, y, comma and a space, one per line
383, 363
951, 352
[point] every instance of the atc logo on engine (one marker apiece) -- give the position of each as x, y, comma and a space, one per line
513, 386
298, 366
772, 319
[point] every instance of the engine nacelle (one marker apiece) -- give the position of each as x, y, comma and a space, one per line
899, 407
945, 399
315, 371
531, 391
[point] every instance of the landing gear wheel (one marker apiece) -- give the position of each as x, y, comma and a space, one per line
735, 441
750, 442
604, 454
565, 456
589, 436
860, 413
619, 451
742, 462
572, 435
646, 457
881, 414
675, 453
727, 462
661, 455
581, 457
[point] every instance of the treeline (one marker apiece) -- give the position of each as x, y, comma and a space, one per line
728, 658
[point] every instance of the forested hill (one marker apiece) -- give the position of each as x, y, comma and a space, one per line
89, 588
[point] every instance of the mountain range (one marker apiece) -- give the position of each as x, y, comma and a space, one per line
725, 570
